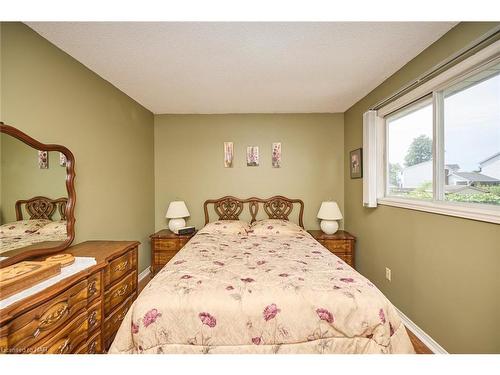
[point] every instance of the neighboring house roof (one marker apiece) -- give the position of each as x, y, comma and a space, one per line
462, 189
453, 167
489, 158
475, 177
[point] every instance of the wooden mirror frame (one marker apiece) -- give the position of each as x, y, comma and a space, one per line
70, 187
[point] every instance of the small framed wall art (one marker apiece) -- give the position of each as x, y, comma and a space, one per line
43, 159
356, 163
62, 159
252, 156
276, 155
228, 154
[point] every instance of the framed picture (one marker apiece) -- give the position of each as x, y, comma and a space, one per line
252, 156
62, 159
43, 159
356, 163
276, 155
228, 154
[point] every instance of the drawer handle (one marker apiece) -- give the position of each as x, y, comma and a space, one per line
92, 319
121, 267
64, 347
122, 291
120, 317
92, 347
51, 318
92, 287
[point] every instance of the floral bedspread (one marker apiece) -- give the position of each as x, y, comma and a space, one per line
28, 232
233, 293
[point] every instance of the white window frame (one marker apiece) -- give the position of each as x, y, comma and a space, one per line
435, 87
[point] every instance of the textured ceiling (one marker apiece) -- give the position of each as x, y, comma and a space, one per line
193, 67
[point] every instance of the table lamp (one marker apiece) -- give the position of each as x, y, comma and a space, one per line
176, 212
329, 213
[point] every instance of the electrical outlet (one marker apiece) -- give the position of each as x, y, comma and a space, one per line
388, 273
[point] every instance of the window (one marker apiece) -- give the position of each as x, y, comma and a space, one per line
440, 143
409, 152
472, 139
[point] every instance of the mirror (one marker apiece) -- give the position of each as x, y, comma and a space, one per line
37, 197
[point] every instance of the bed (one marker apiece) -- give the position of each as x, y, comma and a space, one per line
261, 287
41, 224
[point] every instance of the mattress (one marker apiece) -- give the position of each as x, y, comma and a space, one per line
260, 293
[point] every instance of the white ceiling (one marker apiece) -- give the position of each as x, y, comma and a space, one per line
193, 67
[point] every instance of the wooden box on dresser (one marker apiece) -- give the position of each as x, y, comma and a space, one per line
341, 243
79, 314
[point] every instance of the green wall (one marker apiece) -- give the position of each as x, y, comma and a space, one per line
189, 159
445, 271
55, 99
23, 179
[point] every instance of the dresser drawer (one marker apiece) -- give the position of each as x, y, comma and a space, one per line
33, 326
92, 346
94, 316
119, 292
67, 340
120, 266
166, 244
94, 286
113, 322
340, 246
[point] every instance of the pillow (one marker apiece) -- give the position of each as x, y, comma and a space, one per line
54, 227
226, 227
17, 228
275, 227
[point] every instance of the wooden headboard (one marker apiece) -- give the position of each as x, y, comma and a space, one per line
277, 207
41, 208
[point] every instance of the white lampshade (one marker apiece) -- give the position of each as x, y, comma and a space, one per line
177, 209
329, 211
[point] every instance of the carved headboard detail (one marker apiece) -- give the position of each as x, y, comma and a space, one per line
277, 207
41, 208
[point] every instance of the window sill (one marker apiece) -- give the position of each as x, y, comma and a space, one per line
467, 211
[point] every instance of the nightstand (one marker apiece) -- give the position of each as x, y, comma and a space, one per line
341, 243
164, 245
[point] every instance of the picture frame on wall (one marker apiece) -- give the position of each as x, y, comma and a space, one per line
43, 159
276, 155
228, 154
356, 163
252, 156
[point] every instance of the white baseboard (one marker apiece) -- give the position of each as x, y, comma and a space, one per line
144, 274
422, 336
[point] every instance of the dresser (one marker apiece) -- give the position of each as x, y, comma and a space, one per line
79, 314
164, 245
341, 243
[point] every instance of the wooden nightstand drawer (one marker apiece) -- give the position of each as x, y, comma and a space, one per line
341, 243
119, 293
341, 246
166, 245
120, 266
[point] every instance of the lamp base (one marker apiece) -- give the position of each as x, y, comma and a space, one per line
175, 224
329, 226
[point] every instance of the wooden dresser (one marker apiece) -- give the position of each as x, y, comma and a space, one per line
341, 243
164, 245
79, 314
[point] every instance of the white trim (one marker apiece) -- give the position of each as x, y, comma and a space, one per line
421, 335
490, 215
144, 274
